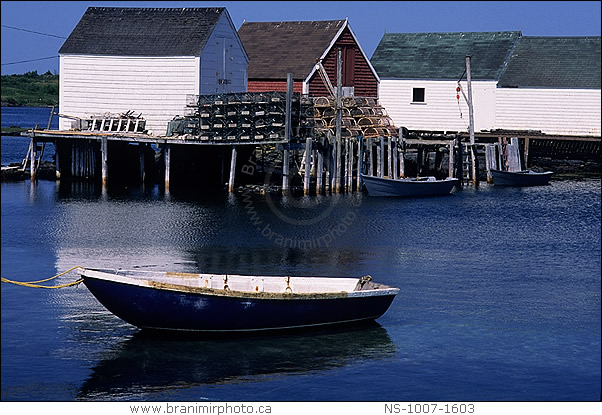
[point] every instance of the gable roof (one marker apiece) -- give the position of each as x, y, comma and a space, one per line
443, 55
277, 48
125, 31
561, 62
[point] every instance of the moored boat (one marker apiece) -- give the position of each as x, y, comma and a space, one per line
520, 178
408, 187
232, 303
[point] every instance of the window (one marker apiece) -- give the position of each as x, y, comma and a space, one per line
418, 95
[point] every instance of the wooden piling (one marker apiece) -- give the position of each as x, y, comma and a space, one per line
232, 170
287, 133
451, 160
141, 151
339, 121
167, 160
473, 149
395, 157
360, 155
320, 167
389, 158
32, 163
379, 158
308, 152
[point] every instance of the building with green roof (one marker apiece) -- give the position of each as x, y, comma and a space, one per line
547, 84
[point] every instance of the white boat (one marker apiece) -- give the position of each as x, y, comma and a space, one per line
408, 187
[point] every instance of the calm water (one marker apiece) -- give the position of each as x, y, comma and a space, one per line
499, 301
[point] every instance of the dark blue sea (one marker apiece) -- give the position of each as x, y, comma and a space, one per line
499, 301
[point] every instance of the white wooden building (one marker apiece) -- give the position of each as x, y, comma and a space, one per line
552, 85
549, 85
147, 60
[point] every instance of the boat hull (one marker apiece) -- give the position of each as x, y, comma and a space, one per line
156, 308
381, 186
520, 178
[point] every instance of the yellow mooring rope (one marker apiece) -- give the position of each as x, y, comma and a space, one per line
35, 284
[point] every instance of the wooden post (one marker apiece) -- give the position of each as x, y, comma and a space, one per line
32, 163
526, 154
473, 150
104, 150
167, 160
339, 120
232, 170
141, 150
402, 148
490, 160
360, 155
51, 115
451, 160
350, 165
459, 161
57, 164
308, 152
287, 133
390, 158
419, 159
370, 158
286, 155
379, 158
328, 162
394, 163
320, 167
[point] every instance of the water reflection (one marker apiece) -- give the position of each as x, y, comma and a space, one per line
159, 362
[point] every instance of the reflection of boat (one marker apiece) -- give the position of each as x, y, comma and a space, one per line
416, 186
152, 362
224, 303
520, 178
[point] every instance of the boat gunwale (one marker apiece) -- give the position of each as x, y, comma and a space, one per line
410, 179
381, 290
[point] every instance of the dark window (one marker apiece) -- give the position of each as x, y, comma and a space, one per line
348, 66
418, 95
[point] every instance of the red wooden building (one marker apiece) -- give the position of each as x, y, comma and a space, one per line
277, 48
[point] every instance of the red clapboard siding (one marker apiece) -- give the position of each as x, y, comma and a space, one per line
270, 85
360, 76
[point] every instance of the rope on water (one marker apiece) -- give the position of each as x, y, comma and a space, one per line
35, 284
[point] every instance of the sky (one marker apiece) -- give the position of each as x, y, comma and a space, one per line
34, 31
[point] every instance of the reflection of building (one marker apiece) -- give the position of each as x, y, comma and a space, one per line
549, 85
146, 60
277, 48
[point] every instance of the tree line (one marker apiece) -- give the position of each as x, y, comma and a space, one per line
30, 89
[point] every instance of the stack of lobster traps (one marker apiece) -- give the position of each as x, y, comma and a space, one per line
360, 116
247, 116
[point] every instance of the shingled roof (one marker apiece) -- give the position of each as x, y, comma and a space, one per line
442, 55
277, 48
124, 31
554, 62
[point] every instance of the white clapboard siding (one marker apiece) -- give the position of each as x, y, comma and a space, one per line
155, 86
441, 110
223, 57
552, 111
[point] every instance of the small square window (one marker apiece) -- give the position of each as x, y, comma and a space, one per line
418, 95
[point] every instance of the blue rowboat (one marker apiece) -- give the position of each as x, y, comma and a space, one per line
232, 303
520, 178
410, 187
